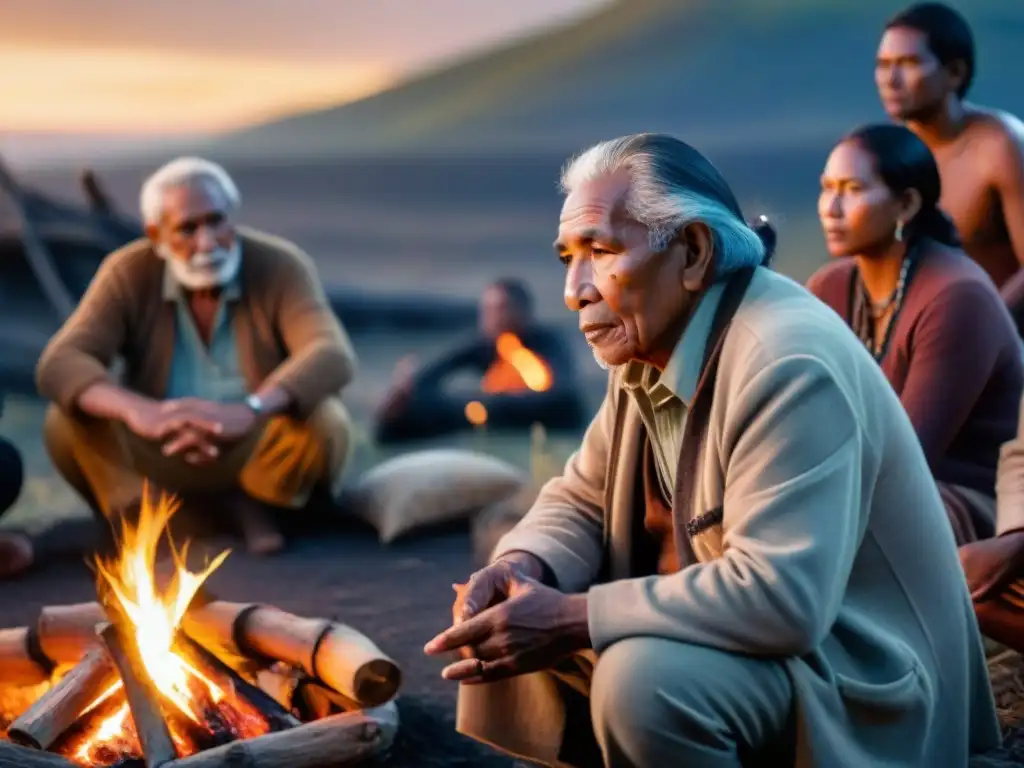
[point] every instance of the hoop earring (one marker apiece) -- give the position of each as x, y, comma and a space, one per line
898, 234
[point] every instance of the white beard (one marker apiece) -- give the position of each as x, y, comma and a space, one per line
204, 270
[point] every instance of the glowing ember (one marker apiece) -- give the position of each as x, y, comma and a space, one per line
199, 712
476, 413
517, 369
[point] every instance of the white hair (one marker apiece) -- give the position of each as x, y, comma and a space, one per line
182, 172
671, 186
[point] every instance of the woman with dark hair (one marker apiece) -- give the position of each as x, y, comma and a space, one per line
929, 315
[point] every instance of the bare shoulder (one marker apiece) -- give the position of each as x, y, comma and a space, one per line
999, 133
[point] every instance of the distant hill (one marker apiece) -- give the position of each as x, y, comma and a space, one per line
729, 75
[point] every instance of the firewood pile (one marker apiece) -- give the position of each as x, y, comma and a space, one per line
159, 672
265, 689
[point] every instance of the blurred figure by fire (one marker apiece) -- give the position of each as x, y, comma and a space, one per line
527, 375
233, 363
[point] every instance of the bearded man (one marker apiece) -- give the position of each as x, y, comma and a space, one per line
747, 560
233, 363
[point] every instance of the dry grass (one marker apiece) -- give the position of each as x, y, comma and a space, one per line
1006, 671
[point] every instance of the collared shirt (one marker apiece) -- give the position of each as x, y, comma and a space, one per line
663, 397
208, 372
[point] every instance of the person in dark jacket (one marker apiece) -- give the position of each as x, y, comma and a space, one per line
512, 394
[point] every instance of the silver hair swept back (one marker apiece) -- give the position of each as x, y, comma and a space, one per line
671, 186
177, 173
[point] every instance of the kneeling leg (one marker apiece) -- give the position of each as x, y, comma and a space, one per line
657, 702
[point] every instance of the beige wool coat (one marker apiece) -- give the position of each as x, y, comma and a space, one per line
832, 553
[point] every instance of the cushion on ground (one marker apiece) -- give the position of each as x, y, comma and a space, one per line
428, 488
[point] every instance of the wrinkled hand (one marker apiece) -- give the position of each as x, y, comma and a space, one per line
194, 445
991, 564
226, 422
533, 628
489, 585
150, 421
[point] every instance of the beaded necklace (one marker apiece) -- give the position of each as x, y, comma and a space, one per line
866, 330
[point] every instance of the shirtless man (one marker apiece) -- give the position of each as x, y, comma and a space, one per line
924, 69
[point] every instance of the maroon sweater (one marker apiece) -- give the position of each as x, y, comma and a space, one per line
954, 359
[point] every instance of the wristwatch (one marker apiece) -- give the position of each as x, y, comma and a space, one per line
255, 404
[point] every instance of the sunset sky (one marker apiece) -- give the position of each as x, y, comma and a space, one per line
152, 66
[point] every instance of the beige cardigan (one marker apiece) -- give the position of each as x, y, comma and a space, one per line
287, 333
833, 553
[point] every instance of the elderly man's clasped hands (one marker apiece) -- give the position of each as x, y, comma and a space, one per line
191, 427
507, 623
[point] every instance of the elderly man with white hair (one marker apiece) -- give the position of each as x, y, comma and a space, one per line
233, 364
747, 561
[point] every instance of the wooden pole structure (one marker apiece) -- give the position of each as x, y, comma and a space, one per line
36, 252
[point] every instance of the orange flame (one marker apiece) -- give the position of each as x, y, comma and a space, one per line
516, 369
154, 615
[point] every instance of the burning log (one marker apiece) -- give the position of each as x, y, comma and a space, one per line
58, 709
277, 716
294, 689
143, 699
20, 661
332, 742
67, 632
15, 756
343, 658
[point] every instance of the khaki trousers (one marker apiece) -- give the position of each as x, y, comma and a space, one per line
281, 465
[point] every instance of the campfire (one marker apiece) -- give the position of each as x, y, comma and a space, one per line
516, 369
163, 674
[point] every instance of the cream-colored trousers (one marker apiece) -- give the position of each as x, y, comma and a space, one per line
281, 465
